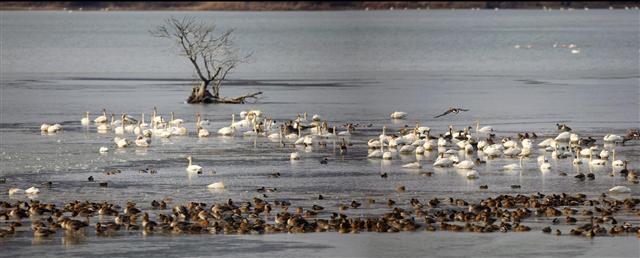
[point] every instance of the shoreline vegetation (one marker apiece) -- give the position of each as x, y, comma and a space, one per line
307, 5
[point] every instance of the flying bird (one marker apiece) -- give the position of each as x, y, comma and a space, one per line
451, 110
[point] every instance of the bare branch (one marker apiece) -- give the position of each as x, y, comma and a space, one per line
213, 55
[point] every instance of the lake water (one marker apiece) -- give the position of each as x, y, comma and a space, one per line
348, 66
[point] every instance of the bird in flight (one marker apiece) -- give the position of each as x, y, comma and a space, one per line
451, 110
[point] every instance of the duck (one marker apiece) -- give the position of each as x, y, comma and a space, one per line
193, 168
398, 115
85, 120
563, 128
43, 232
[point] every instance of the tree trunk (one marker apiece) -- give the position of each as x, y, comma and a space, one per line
200, 94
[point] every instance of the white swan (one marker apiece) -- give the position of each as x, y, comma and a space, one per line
619, 189
101, 119
217, 185
512, 152
596, 162
428, 145
545, 166
563, 137
473, 174
44, 127
85, 120
574, 138
142, 141
103, 149
398, 115
202, 132
465, 164
54, 128
175, 121
142, 123
547, 143
588, 151
616, 163
387, 155
613, 138
513, 166
294, 156
493, 150
420, 150
180, 130
122, 142
412, 165
14, 191
484, 129
442, 161
407, 149
510, 144
229, 130
155, 118
193, 168
577, 160
604, 154
376, 154
120, 129
32, 190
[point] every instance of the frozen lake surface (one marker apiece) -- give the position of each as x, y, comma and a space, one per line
346, 66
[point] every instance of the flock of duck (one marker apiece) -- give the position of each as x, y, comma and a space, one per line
464, 149
504, 213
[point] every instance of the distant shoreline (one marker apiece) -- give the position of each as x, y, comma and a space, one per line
306, 6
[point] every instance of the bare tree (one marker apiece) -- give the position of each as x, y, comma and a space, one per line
212, 55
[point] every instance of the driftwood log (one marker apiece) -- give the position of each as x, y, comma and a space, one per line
200, 94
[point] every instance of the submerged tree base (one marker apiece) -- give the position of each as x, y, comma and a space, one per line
208, 98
